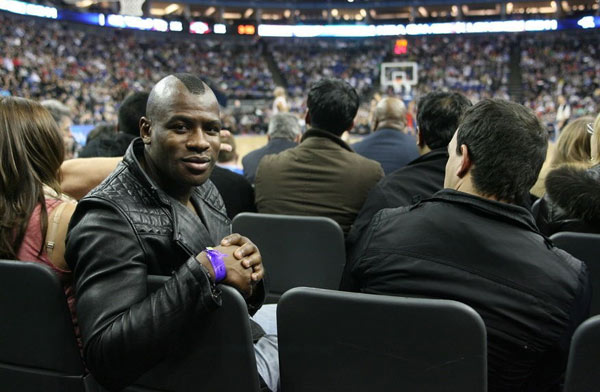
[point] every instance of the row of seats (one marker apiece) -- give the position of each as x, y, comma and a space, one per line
344, 341
328, 341
309, 251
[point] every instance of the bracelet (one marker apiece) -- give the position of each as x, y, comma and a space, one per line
216, 260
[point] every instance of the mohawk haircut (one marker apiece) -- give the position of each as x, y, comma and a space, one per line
193, 83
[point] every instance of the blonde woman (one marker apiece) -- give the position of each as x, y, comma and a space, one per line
572, 147
572, 200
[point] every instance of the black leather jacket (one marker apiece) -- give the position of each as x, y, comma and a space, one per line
122, 231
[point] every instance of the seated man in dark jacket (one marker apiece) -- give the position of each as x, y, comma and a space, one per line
472, 242
438, 114
157, 214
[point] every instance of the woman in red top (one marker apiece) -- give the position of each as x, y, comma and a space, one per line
35, 214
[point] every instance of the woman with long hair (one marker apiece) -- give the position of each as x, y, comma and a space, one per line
35, 214
572, 148
572, 199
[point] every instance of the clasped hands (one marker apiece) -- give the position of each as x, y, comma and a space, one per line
243, 263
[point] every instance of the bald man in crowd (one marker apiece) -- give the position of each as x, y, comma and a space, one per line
157, 214
389, 144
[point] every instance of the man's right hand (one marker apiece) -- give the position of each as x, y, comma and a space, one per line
237, 276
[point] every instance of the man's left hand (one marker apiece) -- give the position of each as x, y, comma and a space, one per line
247, 253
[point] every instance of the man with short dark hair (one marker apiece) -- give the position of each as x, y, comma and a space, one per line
130, 111
474, 243
157, 214
438, 114
284, 132
389, 144
322, 176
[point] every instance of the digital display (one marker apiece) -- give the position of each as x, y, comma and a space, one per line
22, 8
219, 28
199, 28
81, 17
268, 30
409, 29
136, 22
246, 30
400, 47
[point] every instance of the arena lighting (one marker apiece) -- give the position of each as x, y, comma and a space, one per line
588, 22
136, 22
175, 26
22, 8
199, 28
219, 28
265, 30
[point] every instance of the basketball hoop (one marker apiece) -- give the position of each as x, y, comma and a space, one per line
401, 76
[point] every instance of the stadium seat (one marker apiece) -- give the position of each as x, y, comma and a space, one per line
296, 250
216, 349
38, 348
585, 247
583, 369
339, 341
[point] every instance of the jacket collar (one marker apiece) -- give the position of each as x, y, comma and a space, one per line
315, 132
132, 158
433, 155
504, 211
203, 195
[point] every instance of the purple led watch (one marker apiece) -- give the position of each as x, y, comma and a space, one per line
216, 260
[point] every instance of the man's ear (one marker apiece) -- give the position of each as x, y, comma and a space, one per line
307, 118
465, 161
350, 127
420, 139
145, 130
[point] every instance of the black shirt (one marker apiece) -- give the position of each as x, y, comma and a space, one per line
236, 191
418, 180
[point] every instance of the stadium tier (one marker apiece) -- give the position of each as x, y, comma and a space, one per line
93, 68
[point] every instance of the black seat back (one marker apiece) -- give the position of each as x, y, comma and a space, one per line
296, 250
583, 370
586, 247
338, 341
38, 348
217, 356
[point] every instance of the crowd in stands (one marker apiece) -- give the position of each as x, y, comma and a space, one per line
303, 62
555, 64
93, 72
69, 63
476, 66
